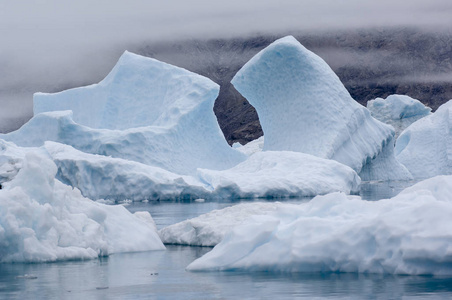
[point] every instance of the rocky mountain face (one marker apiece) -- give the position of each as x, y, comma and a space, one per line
370, 63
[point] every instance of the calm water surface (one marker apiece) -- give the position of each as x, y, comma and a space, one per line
162, 275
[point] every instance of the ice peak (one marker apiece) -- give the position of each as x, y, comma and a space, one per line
304, 107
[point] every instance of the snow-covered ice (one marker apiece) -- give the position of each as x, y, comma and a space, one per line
41, 219
281, 174
304, 107
400, 111
209, 229
410, 233
425, 147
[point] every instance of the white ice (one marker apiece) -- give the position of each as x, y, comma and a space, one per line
43, 220
400, 111
144, 110
209, 229
179, 150
11, 158
266, 174
408, 234
103, 177
281, 174
303, 107
251, 147
425, 147
138, 92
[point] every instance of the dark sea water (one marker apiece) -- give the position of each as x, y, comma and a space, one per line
162, 275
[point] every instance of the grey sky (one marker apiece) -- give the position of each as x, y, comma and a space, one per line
51, 43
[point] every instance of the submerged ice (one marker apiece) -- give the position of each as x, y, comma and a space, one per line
408, 234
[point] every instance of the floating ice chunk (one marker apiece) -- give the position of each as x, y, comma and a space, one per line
281, 174
209, 229
400, 111
102, 177
303, 107
408, 234
42, 219
425, 147
165, 114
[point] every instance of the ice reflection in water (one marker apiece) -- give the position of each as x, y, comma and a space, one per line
161, 274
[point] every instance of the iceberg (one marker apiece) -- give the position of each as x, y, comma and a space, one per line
399, 111
144, 110
103, 177
424, 148
267, 174
209, 229
138, 92
303, 107
43, 220
148, 131
270, 174
407, 234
